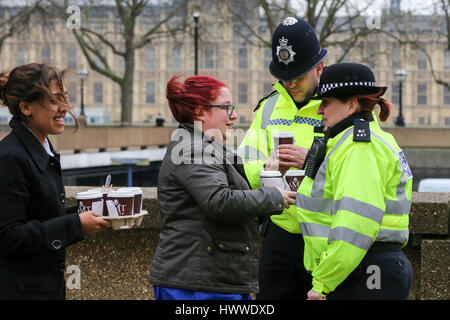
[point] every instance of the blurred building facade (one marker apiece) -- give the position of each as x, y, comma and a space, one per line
229, 57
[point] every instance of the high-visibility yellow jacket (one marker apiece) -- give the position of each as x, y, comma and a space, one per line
360, 194
278, 112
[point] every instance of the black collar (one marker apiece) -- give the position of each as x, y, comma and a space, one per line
347, 123
32, 144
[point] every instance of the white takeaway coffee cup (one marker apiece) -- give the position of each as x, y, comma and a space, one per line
271, 179
90, 200
120, 203
137, 197
293, 179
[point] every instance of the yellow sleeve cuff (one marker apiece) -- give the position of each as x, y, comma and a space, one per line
320, 288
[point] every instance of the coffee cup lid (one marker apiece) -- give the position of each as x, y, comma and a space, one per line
270, 174
295, 173
134, 190
283, 134
90, 194
120, 194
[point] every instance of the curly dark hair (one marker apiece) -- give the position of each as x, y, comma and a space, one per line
29, 83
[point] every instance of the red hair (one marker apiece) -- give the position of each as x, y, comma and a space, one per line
368, 102
184, 97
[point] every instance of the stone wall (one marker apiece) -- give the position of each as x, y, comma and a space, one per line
116, 264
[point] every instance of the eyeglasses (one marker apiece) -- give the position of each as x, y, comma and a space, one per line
229, 107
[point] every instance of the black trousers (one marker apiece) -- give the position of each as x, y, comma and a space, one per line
282, 275
383, 275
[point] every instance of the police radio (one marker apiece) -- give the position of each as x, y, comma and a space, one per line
315, 156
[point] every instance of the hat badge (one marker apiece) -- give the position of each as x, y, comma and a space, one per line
285, 53
289, 21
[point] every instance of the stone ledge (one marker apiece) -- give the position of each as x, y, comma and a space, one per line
429, 211
116, 264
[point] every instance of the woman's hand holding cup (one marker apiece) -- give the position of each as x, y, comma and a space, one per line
92, 223
288, 197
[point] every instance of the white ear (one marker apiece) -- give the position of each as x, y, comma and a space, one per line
199, 113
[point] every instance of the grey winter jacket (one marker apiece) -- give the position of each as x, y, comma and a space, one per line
209, 238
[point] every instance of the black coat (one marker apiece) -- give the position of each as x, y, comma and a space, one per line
35, 226
209, 238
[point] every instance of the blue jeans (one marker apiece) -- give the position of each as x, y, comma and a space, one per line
165, 293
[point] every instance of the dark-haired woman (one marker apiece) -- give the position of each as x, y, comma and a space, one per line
208, 248
353, 205
35, 227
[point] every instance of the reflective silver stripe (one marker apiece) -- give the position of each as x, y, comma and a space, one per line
351, 236
268, 109
388, 235
314, 229
249, 153
358, 207
398, 207
313, 204
319, 181
401, 194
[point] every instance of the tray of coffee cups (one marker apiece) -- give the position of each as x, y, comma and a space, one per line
126, 222
122, 207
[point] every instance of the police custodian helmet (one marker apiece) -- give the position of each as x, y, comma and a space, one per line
295, 49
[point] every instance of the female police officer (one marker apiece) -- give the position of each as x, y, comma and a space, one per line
354, 202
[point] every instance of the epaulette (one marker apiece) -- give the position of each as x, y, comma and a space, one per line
361, 131
259, 102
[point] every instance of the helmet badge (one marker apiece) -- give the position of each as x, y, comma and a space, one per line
289, 21
285, 53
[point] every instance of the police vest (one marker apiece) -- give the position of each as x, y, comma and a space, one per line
360, 194
278, 113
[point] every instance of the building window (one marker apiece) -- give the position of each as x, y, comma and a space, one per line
447, 59
370, 55
242, 95
46, 55
72, 92
421, 60
150, 92
150, 59
395, 92
267, 58
421, 121
98, 92
447, 121
72, 57
121, 62
446, 95
421, 93
21, 56
396, 57
211, 61
268, 88
176, 58
243, 64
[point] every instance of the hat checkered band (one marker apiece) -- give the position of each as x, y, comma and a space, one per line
329, 86
297, 119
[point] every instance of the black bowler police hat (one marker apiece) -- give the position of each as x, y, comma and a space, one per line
346, 79
295, 49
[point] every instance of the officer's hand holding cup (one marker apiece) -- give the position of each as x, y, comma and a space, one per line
291, 156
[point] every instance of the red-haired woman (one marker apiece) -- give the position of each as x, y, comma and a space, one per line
208, 246
35, 227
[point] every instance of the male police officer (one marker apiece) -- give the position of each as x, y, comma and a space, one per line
297, 61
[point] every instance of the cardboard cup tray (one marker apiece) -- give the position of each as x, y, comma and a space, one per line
126, 222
